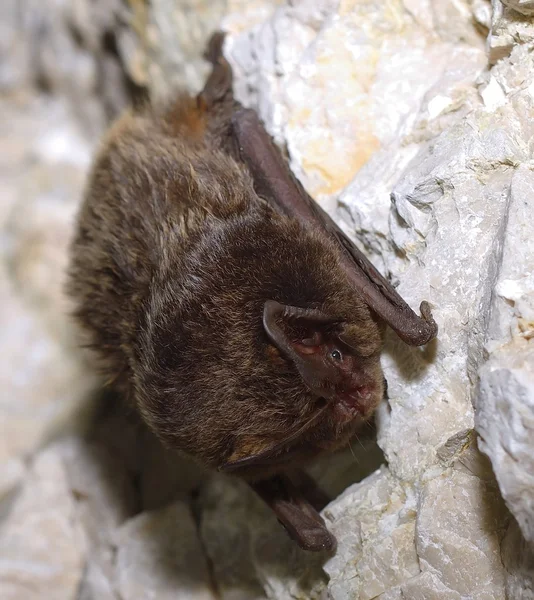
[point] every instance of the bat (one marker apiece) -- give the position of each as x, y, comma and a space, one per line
224, 304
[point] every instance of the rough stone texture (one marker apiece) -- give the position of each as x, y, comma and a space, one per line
416, 133
42, 548
379, 552
105, 499
525, 7
511, 24
44, 158
505, 416
71, 49
159, 556
323, 77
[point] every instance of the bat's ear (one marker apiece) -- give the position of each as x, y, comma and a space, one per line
302, 335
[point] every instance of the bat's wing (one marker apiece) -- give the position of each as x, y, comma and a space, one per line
302, 522
274, 182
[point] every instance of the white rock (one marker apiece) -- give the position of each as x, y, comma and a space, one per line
375, 525
159, 555
525, 7
459, 527
505, 402
105, 498
323, 79
42, 546
44, 378
509, 27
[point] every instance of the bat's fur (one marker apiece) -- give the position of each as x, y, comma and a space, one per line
172, 262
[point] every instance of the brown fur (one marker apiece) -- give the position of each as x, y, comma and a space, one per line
173, 260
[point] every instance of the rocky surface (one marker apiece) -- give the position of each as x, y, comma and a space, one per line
511, 24
411, 122
41, 542
44, 378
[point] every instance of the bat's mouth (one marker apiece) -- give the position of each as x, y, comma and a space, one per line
352, 404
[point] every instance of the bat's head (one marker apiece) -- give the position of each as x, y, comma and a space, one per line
337, 360
262, 351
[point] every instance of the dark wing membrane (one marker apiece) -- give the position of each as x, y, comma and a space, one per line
274, 182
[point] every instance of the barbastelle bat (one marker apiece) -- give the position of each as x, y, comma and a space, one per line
224, 303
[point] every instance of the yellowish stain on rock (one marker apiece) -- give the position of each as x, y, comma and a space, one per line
344, 138
337, 169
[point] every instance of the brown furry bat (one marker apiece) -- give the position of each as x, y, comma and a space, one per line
243, 325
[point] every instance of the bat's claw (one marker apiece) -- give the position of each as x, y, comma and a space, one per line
426, 314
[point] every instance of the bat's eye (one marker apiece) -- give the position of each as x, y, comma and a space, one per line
336, 354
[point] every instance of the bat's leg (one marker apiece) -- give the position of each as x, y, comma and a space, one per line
302, 522
309, 489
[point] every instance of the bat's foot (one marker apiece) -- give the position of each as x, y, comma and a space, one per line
300, 519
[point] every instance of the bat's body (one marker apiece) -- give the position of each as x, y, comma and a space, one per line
232, 324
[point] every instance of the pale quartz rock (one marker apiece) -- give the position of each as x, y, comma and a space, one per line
460, 523
105, 495
397, 542
511, 24
525, 7
325, 85
374, 522
42, 545
160, 556
505, 402
492, 94
482, 12
44, 377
